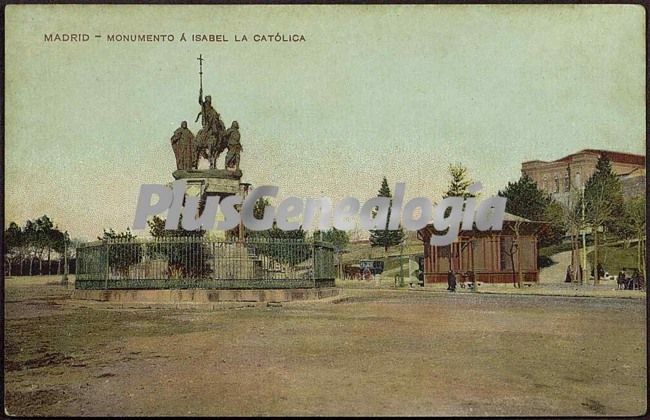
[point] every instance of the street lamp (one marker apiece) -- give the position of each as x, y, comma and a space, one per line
401, 265
64, 277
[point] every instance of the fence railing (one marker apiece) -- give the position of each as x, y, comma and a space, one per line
195, 262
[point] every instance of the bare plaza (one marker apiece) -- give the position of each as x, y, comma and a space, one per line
366, 352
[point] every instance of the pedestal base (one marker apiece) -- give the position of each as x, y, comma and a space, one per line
204, 295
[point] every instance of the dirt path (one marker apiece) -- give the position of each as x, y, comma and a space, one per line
557, 272
374, 353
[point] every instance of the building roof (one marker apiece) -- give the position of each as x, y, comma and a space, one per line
514, 218
528, 226
618, 157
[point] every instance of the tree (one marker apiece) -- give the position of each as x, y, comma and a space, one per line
13, 241
603, 204
122, 253
56, 240
31, 242
157, 229
635, 218
568, 218
258, 213
525, 200
385, 237
460, 182
514, 250
338, 238
42, 239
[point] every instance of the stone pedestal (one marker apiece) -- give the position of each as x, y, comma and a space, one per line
206, 182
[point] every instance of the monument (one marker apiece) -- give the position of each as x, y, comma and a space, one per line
194, 267
210, 142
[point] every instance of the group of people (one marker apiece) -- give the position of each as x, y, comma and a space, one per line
451, 279
633, 282
623, 280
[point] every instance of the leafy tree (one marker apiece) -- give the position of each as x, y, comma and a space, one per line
258, 212
56, 243
176, 253
13, 241
385, 237
32, 242
44, 226
111, 234
635, 218
157, 230
123, 252
338, 238
39, 238
286, 246
603, 204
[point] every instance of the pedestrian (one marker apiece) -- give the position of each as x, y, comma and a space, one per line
569, 274
636, 279
580, 274
451, 281
620, 280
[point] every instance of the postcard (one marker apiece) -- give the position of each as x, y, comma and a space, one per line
325, 210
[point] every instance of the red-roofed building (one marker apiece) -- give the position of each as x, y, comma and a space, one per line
561, 176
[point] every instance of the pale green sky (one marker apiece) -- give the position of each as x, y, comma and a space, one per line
374, 91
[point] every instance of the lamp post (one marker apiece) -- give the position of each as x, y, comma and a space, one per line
244, 188
64, 277
401, 265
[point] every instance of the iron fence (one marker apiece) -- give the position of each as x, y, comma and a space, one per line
195, 262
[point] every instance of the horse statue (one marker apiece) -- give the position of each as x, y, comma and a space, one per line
210, 146
210, 140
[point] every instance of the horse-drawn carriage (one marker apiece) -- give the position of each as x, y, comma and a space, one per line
365, 270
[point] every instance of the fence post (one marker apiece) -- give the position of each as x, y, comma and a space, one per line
313, 263
108, 268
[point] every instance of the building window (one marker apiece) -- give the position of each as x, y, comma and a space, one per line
557, 184
567, 183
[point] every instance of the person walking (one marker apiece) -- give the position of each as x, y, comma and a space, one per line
451, 281
569, 274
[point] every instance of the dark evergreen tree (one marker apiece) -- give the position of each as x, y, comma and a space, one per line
527, 201
385, 237
603, 205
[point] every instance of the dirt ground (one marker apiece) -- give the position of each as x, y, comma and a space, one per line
372, 352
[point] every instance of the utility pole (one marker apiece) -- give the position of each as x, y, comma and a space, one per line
584, 239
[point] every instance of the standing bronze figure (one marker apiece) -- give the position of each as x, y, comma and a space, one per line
183, 145
234, 146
